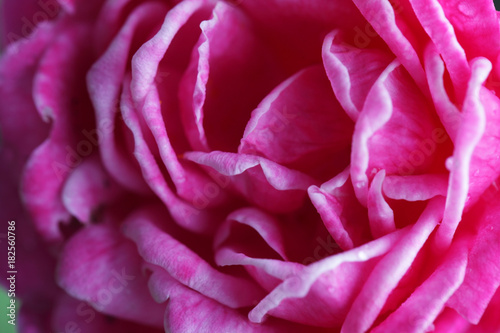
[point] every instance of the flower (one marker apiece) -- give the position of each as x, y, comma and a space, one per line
252, 166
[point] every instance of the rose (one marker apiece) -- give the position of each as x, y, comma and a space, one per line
263, 166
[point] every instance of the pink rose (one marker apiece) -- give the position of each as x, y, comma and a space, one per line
251, 166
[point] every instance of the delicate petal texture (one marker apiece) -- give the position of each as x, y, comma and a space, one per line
101, 267
482, 278
184, 265
222, 78
390, 270
261, 181
352, 71
415, 187
469, 133
420, 310
379, 126
343, 215
104, 80
300, 125
87, 190
53, 160
380, 213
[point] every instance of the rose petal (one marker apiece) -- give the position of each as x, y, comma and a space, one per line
343, 215
300, 125
380, 214
352, 71
389, 271
469, 134
103, 81
102, 268
88, 189
415, 187
420, 310
346, 275
220, 87
159, 248
261, 181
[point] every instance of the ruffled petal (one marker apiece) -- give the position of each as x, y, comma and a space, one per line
323, 292
380, 214
419, 311
379, 126
300, 125
103, 81
225, 80
343, 215
352, 71
389, 271
159, 248
87, 190
101, 267
261, 181
469, 134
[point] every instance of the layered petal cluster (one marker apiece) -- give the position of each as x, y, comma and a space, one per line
252, 166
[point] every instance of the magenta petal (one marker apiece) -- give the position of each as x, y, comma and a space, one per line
88, 189
265, 225
379, 126
157, 247
322, 292
419, 311
383, 17
415, 187
474, 23
469, 134
344, 217
146, 59
432, 17
389, 271
184, 213
482, 278
221, 87
301, 125
261, 181
101, 267
103, 81
352, 71
380, 214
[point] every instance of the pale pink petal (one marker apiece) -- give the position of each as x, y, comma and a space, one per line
380, 214
104, 81
385, 20
101, 267
482, 278
432, 17
225, 80
146, 59
261, 181
343, 215
192, 217
322, 292
469, 134
419, 311
379, 126
474, 24
55, 89
156, 246
301, 125
415, 187
352, 71
88, 189
389, 271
